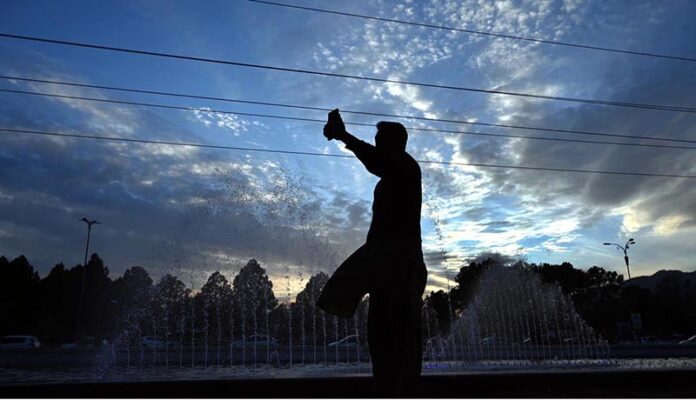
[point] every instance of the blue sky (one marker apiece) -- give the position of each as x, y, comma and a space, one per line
192, 211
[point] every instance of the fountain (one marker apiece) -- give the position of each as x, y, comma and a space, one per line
513, 322
516, 321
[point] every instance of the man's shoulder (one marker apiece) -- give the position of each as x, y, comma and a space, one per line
411, 162
409, 166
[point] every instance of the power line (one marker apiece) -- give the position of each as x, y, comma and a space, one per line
475, 32
145, 141
344, 111
306, 153
658, 107
285, 117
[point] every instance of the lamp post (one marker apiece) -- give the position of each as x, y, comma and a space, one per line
84, 275
623, 248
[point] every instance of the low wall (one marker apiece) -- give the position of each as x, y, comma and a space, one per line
652, 351
661, 383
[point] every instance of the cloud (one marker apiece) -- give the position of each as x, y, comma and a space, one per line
578, 200
96, 117
164, 207
230, 122
198, 210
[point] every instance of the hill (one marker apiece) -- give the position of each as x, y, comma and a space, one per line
652, 281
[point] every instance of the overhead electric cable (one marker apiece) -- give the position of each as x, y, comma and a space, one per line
475, 32
344, 111
658, 107
285, 117
281, 151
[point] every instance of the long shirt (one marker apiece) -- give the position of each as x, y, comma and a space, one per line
396, 208
392, 258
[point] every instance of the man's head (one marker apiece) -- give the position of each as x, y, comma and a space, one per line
391, 137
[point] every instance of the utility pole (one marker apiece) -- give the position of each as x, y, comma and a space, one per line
84, 276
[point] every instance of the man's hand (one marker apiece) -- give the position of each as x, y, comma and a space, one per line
335, 128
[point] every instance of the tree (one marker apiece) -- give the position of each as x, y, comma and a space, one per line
599, 277
133, 295
98, 304
322, 327
59, 302
213, 305
569, 278
59, 295
672, 309
467, 282
279, 318
252, 294
169, 305
306, 316
19, 285
439, 311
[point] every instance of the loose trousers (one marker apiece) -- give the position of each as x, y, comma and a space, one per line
395, 341
394, 275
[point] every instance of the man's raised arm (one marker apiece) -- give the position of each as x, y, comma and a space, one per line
366, 153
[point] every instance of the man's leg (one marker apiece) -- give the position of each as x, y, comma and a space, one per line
380, 339
410, 348
395, 343
395, 328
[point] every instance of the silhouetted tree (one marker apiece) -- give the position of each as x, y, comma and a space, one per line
467, 281
59, 295
598, 302
439, 312
252, 294
98, 304
320, 327
305, 310
599, 277
279, 323
133, 295
130, 306
569, 278
170, 306
19, 300
213, 305
672, 309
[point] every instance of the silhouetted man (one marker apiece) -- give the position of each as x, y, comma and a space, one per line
389, 266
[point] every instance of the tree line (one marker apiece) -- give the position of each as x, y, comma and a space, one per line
133, 305
601, 297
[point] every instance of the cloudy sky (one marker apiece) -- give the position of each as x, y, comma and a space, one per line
191, 211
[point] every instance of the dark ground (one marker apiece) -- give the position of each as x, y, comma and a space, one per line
661, 383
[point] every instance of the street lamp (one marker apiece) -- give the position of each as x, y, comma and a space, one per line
84, 274
623, 248
89, 231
